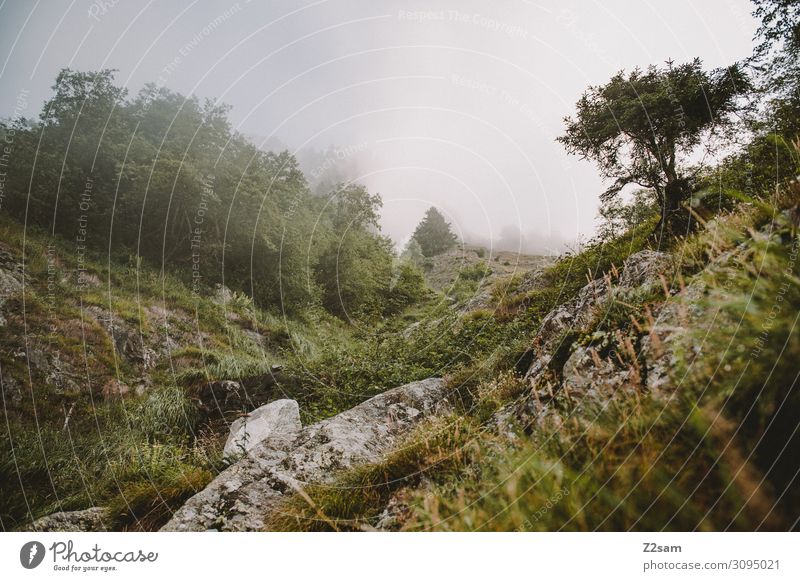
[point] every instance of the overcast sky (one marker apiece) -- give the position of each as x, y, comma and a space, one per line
448, 103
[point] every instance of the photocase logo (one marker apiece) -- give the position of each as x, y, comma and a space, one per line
31, 554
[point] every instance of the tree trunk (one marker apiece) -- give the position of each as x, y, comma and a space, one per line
675, 219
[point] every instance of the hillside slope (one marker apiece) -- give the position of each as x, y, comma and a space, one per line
662, 395
442, 271
623, 387
118, 381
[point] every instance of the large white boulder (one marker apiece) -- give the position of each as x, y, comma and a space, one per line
281, 417
243, 496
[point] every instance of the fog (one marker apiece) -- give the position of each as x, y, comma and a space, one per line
454, 104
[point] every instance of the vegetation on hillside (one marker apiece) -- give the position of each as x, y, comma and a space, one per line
719, 455
164, 178
316, 305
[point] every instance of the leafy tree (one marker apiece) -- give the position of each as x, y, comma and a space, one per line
777, 58
779, 48
433, 234
407, 288
617, 216
643, 128
166, 178
355, 268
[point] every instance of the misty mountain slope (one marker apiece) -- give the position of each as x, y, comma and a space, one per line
653, 397
135, 375
442, 271
549, 376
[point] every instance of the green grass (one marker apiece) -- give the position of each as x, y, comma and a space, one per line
140, 456
719, 455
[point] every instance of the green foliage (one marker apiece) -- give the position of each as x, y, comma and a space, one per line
133, 175
475, 272
166, 414
633, 466
413, 253
153, 481
433, 234
468, 280
573, 270
778, 52
618, 216
765, 165
750, 355
642, 128
98, 461
639, 464
408, 288
342, 375
356, 272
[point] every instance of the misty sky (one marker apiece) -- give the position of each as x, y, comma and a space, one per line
448, 103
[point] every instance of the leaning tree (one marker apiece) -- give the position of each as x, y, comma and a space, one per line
646, 127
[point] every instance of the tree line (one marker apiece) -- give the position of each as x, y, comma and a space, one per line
165, 178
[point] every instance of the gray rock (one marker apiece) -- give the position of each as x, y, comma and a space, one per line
222, 295
281, 417
572, 317
58, 374
524, 415
10, 280
666, 345
645, 268
128, 342
243, 495
12, 391
588, 378
77, 521
393, 515
640, 269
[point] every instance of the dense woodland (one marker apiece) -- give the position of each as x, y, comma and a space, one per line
164, 178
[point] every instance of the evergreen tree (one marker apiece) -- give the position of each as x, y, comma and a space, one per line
433, 234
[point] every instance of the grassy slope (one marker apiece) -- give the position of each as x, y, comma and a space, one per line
442, 271
142, 455
722, 455
611, 470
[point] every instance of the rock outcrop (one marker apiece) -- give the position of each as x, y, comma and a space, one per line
76, 521
661, 348
242, 496
575, 317
279, 418
570, 361
11, 278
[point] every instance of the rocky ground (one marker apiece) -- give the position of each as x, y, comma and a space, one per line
443, 270
615, 342
280, 457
